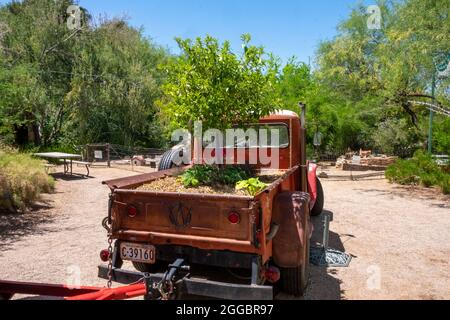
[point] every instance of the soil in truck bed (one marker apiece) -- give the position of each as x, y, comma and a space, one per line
173, 184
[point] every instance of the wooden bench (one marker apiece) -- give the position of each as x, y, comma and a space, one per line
83, 163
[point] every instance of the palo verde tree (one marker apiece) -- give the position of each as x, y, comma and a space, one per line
210, 83
371, 76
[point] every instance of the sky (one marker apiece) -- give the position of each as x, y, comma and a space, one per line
284, 27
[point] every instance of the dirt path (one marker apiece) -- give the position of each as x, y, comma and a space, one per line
399, 238
61, 239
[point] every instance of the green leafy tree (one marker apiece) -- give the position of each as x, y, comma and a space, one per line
371, 76
34, 65
293, 83
115, 84
65, 85
210, 83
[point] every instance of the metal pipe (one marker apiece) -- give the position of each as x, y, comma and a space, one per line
303, 162
430, 132
326, 231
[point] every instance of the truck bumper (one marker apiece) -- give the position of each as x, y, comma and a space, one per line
196, 286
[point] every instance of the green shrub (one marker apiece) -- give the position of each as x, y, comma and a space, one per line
252, 186
429, 180
22, 180
214, 175
403, 172
420, 169
445, 184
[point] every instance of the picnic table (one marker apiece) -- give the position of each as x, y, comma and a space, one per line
67, 159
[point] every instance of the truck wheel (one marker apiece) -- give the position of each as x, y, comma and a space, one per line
294, 281
166, 162
318, 206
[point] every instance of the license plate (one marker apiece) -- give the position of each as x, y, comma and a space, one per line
137, 252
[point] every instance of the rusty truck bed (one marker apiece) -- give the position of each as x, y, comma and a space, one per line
196, 220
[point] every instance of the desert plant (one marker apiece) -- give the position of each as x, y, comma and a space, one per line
419, 169
252, 186
22, 180
214, 175
445, 185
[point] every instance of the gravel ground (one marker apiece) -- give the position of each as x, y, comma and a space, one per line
399, 239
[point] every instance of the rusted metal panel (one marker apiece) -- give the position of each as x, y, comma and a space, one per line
199, 220
182, 196
291, 213
135, 181
184, 215
201, 242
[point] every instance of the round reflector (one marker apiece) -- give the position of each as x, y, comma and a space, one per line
132, 211
104, 255
234, 218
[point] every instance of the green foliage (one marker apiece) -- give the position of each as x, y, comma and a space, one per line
441, 135
369, 76
397, 137
66, 87
107, 82
22, 180
214, 175
293, 83
119, 105
420, 169
210, 83
252, 186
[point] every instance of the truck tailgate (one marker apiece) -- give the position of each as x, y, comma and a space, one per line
199, 220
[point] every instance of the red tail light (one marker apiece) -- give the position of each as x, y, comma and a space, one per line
104, 255
272, 274
234, 218
132, 211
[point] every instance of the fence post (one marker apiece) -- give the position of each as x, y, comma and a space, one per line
107, 155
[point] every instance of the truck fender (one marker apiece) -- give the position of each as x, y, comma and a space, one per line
312, 183
291, 214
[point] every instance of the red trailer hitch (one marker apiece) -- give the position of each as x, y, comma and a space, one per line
144, 287
9, 288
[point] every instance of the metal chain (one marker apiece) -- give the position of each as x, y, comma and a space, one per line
107, 224
110, 264
165, 288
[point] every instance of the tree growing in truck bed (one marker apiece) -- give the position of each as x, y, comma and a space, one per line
210, 83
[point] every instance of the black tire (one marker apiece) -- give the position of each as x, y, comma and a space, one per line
318, 206
166, 162
294, 281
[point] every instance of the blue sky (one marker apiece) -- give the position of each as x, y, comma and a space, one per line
284, 27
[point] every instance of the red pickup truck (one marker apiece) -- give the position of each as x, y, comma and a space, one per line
214, 245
